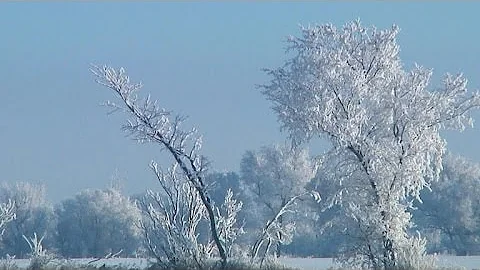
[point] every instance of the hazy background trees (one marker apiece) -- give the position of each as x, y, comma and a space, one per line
220, 182
98, 222
450, 213
34, 214
270, 178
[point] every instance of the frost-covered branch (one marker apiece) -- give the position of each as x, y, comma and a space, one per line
7, 214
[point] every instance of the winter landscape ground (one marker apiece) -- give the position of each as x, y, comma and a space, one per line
449, 262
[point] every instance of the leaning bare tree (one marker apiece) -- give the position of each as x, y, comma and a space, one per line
348, 85
151, 123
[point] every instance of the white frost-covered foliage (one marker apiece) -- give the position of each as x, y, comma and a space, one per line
274, 180
152, 123
7, 214
348, 85
39, 256
34, 213
98, 222
227, 223
450, 212
173, 219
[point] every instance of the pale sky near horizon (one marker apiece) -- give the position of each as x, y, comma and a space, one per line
199, 59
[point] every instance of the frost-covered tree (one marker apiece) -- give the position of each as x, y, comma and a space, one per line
98, 222
151, 123
34, 214
274, 180
450, 212
348, 86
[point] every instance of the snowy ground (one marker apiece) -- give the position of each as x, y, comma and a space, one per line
469, 262
455, 262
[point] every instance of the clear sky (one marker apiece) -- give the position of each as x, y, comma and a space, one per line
198, 59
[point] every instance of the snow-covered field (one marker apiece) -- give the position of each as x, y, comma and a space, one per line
456, 262
468, 262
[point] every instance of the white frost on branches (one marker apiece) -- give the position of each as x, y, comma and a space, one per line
172, 219
227, 223
7, 214
276, 231
348, 85
275, 179
39, 255
151, 123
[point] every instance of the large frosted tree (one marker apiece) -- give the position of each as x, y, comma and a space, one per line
348, 86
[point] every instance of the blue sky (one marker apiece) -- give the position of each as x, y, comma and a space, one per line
199, 59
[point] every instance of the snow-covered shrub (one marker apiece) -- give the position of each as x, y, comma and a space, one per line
8, 263
173, 218
414, 256
39, 256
